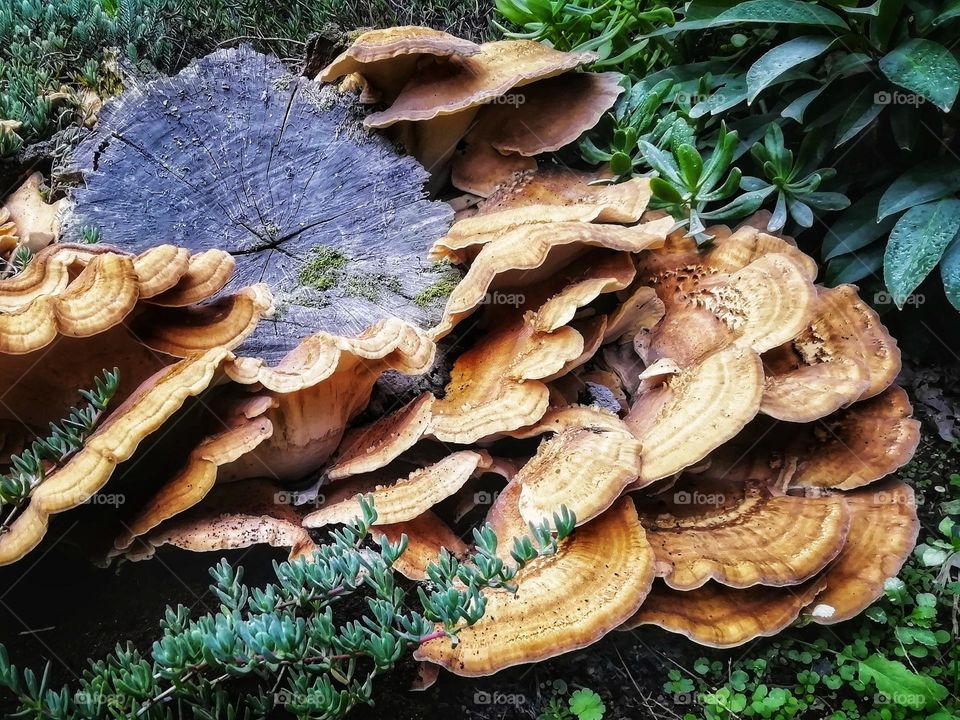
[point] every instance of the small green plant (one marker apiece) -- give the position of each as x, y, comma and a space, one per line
19, 259
607, 28
280, 646
29, 468
582, 704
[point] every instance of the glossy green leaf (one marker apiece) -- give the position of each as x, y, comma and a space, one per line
861, 111
788, 12
917, 242
778, 60
920, 184
856, 228
855, 266
926, 68
950, 272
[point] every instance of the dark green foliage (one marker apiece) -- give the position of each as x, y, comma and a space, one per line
836, 100
280, 646
29, 468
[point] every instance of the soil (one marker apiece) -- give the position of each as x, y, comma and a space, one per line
55, 606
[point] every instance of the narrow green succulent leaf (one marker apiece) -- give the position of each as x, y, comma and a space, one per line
917, 242
827, 201
950, 272
661, 162
795, 109
926, 68
690, 163
777, 61
920, 184
949, 12
905, 124
746, 204
800, 212
855, 266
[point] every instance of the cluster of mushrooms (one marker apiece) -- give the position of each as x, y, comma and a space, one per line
721, 426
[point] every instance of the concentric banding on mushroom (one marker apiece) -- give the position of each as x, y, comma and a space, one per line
843, 355
142, 414
722, 617
374, 446
528, 255
494, 386
859, 445
596, 580
403, 499
426, 535
695, 410
740, 534
584, 469
883, 531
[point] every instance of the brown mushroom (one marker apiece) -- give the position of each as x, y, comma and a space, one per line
722, 617
843, 355
695, 410
426, 535
564, 602
741, 534
84, 473
396, 499
231, 517
883, 531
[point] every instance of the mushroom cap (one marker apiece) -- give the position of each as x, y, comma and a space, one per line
319, 387
586, 469
206, 274
844, 354
605, 272
531, 121
481, 168
696, 410
142, 414
386, 58
722, 617
230, 518
395, 343
531, 254
760, 306
883, 531
197, 478
426, 535
374, 446
741, 534
640, 311
225, 322
494, 386
468, 81
859, 445
595, 581
548, 195
396, 500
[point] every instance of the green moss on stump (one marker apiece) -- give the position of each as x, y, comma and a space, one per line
322, 269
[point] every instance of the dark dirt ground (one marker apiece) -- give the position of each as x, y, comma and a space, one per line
56, 606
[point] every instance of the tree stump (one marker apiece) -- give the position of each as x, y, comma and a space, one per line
237, 153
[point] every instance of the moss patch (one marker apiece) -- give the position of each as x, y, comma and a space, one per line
441, 289
322, 270
371, 286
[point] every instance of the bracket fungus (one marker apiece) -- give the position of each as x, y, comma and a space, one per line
709, 415
596, 580
37, 222
742, 534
